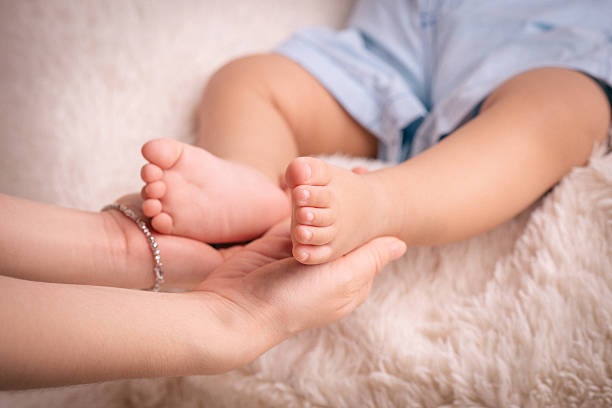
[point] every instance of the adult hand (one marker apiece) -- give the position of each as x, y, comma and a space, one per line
186, 261
254, 300
271, 296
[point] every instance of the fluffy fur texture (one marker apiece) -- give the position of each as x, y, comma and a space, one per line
520, 316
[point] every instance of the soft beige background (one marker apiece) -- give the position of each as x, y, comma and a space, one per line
84, 83
521, 316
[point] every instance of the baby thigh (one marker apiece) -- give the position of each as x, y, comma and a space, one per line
269, 105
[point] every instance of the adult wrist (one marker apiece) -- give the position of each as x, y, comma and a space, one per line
145, 228
130, 262
234, 335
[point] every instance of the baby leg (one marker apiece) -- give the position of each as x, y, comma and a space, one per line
531, 131
257, 113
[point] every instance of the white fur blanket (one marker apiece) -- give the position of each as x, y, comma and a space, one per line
521, 316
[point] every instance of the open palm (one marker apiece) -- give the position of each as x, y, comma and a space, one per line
264, 284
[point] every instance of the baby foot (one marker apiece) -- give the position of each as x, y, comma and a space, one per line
334, 210
194, 194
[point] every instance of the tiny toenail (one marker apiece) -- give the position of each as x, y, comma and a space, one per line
302, 255
306, 234
305, 194
309, 216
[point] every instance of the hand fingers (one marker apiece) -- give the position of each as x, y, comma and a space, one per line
369, 259
331, 290
300, 297
357, 269
272, 246
186, 262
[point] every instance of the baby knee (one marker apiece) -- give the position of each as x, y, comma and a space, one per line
252, 72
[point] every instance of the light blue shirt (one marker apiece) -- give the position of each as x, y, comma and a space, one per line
413, 71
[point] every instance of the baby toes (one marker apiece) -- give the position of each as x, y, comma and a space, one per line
156, 189
151, 207
151, 172
307, 170
304, 234
312, 254
162, 223
162, 152
318, 217
312, 196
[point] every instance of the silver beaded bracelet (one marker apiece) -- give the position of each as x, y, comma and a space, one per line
157, 268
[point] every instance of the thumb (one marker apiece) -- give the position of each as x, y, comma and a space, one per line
371, 257
354, 272
307, 296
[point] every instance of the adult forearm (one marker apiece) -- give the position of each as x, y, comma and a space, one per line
68, 334
49, 243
